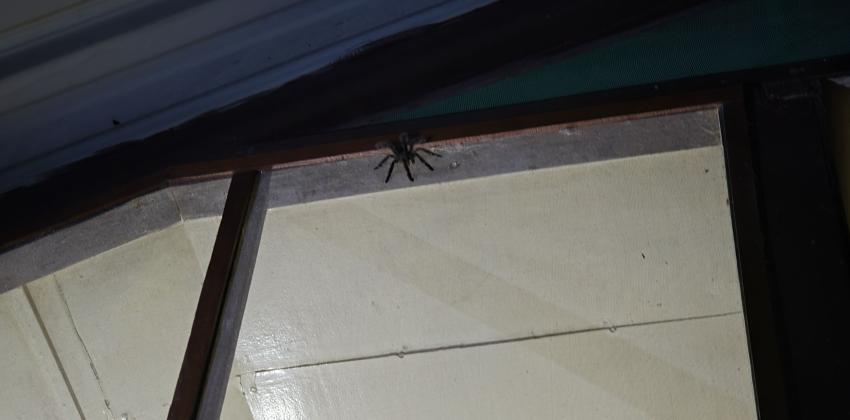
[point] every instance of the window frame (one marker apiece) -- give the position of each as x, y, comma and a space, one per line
759, 311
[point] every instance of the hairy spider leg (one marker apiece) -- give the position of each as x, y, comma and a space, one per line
383, 161
407, 169
416, 154
390, 172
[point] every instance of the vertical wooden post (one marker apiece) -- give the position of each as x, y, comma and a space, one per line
753, 267
202, 383
806, 242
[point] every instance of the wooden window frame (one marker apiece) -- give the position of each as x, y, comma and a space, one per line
766, 360
777, 381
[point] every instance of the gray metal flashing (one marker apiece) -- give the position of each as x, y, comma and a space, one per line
501, 153
136, 218
464, 158
201, 199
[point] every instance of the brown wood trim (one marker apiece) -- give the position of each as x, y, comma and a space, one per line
201, 386
359, 140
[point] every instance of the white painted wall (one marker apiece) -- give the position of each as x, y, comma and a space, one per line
599, 290
118, 324
32, 386
352, 298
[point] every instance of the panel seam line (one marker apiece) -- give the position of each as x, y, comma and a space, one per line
405, 352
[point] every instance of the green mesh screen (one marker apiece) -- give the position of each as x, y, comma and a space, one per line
735, 35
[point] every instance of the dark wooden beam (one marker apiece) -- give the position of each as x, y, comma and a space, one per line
758, 292
202, 383
806, 243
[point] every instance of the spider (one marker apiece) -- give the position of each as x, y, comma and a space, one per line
404, 150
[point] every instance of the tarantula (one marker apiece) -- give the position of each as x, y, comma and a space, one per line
404, 150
